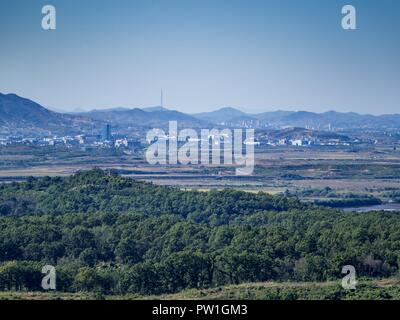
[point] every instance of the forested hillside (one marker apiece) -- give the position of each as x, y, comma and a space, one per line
114, 235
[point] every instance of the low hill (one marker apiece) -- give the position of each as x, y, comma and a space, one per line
224, 115
153, 109
17, 113
156, 117
94, 190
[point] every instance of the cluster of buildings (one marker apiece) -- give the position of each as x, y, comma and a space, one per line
104, 140
134, 141
307, 141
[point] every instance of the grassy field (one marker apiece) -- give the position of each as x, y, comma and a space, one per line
386, 289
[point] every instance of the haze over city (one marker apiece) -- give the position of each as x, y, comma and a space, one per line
253, 55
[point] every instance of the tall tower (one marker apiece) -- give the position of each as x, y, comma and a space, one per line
106, 133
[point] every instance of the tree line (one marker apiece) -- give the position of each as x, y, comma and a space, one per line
115, 235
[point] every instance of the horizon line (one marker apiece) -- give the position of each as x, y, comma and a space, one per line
240, 109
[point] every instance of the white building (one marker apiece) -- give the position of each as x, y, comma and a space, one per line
121, 143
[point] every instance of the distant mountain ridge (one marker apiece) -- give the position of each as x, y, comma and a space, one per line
302, 119
223, 114
17, 113
146, 117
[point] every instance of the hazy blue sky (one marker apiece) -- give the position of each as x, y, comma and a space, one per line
254, 55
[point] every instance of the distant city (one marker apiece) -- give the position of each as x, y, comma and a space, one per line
24, 122
105, 139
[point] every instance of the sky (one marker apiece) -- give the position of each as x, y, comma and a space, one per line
255, 55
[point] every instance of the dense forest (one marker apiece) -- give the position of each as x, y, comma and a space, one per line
114, 235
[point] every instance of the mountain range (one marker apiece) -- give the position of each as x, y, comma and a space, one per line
147, 117
17, 113
318, 121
